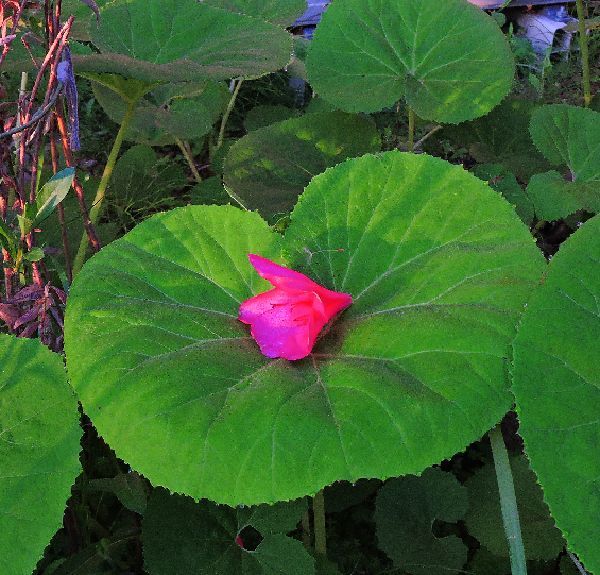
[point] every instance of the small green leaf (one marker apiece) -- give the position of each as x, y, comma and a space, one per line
449, 59
556, 377
404, 514
181, 537
39, 448
569, 136
269, 168
53, 193
555, 198
8, 240
34, 255
130, 488
542, 540
25, 219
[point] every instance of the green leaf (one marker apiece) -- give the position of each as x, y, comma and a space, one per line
210, 191
283, 12
554, 198
556, 377
405, 511
187, 42
39, 428
569, 136
265, 115
142, 182
542, 540
500, 138
53, 193
25, 219
129, 89
176, 111
269, 168
181, 537
505, 183
8, 240
449, 60
34, 255
439, 267
130, 488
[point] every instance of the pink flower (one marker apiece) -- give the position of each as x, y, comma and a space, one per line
287, 319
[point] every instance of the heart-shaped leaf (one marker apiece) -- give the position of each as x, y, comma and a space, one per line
405, 512
500, 138
269, 168
448, 59
554, 198
283, 12
439, 266
556, 380
181, 537
182, 41
39, 449
569, 136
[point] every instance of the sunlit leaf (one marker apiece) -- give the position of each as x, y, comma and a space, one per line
556, 379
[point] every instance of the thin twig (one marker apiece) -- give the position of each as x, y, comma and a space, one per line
227, 113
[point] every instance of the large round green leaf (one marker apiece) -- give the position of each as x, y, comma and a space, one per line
439, 266
269, 168
283, 12
39, 449
182, 40
557, 381
448, 59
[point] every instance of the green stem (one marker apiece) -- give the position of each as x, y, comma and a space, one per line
96, 209
187, 154
585, 55
508, 503
227, 113
319, 524
411, 129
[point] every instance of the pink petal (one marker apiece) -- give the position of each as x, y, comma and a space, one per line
281, 277
286, 321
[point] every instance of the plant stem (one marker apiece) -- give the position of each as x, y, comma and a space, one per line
508, 503
227, 113
319, 524
585, 55
577, 563
411, 129
306, 529
187, 154
96, 208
